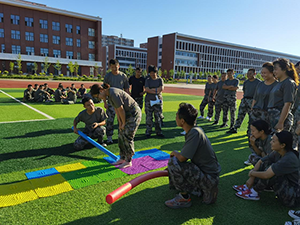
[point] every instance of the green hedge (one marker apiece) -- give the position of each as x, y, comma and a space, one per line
45, 77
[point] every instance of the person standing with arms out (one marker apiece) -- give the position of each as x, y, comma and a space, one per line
129, 117
137, 83
116, 79
208, 92
249, 88
230, 86
219, 98
195, 169
154, 86
282, 96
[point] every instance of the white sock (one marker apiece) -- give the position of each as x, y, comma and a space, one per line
254, 192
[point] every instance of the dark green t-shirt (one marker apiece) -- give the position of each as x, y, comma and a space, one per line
234, 82
118, 81
197, 147
150, 83
249, 88
39, 95
28, 95
57, 95
261, 95
220, 91
97, 117
265, 145
118, 97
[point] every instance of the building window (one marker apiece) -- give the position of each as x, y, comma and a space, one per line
91, 70
69, 28
1, 33
56, 26
56, 53
44, 24
44, 52
30, 50
15, 19
56, 39
15, 34
69, 55
69, 41
15, 49
1, 18
44, 38
91, 57
28, 22
2, 48
78, 43
29, 36
77, 29
91, 32
91, 44
78, 55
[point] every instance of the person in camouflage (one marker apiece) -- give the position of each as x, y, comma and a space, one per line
195, 169
28, 97
94, 119
279, 171
230, 86
296, 112
219, 99
129, 117
154, 86
208, 95
249, 88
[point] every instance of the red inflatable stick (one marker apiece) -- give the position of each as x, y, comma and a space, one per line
118, 193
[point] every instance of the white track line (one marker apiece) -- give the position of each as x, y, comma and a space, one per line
38, 111
21, 121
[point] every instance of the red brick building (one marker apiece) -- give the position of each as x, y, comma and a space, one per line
37, 31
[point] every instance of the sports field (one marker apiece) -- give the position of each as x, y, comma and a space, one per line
40, 137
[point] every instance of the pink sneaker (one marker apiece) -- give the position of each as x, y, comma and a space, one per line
242, 187
247, 195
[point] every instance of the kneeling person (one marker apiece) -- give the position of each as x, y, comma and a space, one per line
94, 119
198, 176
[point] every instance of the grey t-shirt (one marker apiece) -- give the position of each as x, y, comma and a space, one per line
212, 88
209, 89
57, 95
197, 147
261, 95
118, 81
283, 92
97, 117
249, 88
118, 97
28, 95
150, 83
72, 96
234, 82
220, 91
39, 95
265, 145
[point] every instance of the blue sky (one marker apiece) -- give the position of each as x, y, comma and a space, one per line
272, 25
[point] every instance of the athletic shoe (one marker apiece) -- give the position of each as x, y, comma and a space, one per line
295, 222
109, 140
294, 214
247, 163
208, 118
179, 202
223, 125
183, 132
247, 195
210, 197
242, 187
200, 117
215, 123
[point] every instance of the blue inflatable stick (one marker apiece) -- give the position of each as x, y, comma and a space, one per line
97, 145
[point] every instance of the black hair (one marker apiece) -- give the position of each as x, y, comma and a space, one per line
208, 76
187, 112
41, 85
269, 66
29, 85
286, 137
45, 84
86, 99
297, 64
288, 67
95, 89
229, 70
252, 69
113, 62
215, 76
139, 69
152, 68
262, 125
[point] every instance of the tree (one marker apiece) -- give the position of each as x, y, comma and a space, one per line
171, 73
11, 67
200, 74
159, 72
96, 69
35, 67
182, 74
144, 73
46, 65
57, 66
76, 68
19, 63
71, 67
129, 71
191, 76
165, 73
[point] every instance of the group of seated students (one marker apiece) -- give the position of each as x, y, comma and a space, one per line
43, 93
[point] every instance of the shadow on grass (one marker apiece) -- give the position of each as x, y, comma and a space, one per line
42, 133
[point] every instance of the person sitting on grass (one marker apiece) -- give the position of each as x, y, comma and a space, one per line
261, 135
94, 119
28, 97
279, 173
195, 170
41, 95
81, 91
58, 95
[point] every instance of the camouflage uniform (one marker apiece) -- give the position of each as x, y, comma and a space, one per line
204, 102
218, 107
274, 115
245, 107
187, 177
296, 141
229, 103
157, 111
126, 136
110, 111
139, 101
285, 191
98, 132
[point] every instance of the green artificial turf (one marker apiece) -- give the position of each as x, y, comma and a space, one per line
30, 146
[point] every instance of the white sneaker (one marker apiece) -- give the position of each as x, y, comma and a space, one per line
183, 132
247, 163
200, 117
208, 118
294, 214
